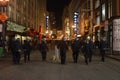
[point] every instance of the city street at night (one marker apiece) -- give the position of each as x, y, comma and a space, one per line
38, 70
59, 39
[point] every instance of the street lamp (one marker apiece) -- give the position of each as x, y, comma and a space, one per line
3, 18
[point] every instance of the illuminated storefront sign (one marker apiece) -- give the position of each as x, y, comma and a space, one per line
75, 17
15, 27
116, 34
47, 21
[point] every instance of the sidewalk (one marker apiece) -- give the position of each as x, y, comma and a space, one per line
116, 57
5, 61
108, 54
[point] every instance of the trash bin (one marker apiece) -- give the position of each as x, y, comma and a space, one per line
1, 52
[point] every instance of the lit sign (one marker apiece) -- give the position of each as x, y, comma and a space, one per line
116, 34
75, 17
15, 27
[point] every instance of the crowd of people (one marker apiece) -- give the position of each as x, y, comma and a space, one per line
16, 47
77, 45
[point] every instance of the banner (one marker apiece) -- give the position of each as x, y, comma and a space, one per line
116, 34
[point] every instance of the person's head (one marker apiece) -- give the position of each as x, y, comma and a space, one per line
104, 39
63, 39
44, 40
24, 41
27, 39
18, 39
76, 39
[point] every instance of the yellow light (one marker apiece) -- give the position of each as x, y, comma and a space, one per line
79, 35
88, 37
4, 0
46, 31
73, 26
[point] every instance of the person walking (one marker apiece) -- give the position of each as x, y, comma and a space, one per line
102, 47
27, 50
43, 49
18, 48
12, 48
15, 46
87, 47
62, 46
75, 49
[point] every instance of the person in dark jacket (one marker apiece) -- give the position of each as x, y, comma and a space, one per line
62, 46
27, 50
12, 48
43, 49
88, 46
16, 49
75, 49
102, 47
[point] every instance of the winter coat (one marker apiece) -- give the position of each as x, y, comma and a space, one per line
27, 46
76, 46
43, 47
62, 46
102, 45
88, 48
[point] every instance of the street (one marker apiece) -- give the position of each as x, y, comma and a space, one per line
38, 70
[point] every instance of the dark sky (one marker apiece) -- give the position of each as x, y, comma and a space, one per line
57, 7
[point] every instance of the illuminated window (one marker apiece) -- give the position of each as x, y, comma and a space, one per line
109, 8
103, 12
98, 18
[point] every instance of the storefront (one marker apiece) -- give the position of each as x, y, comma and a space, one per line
116, 35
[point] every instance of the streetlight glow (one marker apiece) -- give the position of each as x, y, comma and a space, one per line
73, 26
4, 0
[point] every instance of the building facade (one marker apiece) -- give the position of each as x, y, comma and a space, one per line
24, 14
66, 23
97, 19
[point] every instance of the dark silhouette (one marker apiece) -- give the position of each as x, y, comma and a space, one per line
27, 50
43, 49
75, 49
16, 50
62, 46
88, 50
102, 48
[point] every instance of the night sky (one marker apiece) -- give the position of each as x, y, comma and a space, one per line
57, 7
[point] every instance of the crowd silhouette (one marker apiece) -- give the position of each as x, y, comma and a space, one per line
78, 45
